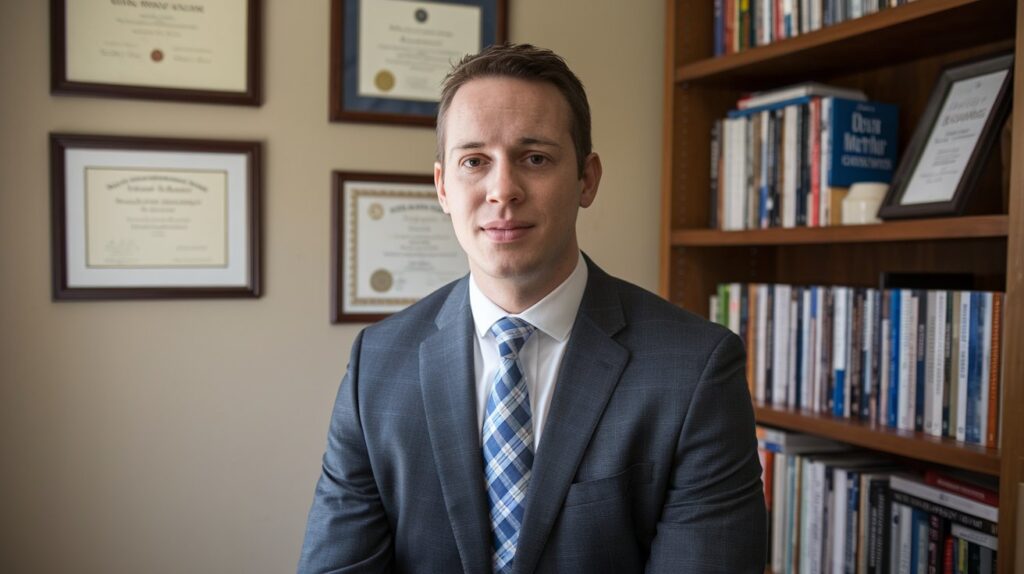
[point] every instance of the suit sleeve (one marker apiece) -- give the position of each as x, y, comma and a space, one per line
347, 531
713, 519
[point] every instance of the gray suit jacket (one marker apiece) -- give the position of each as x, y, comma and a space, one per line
647, 461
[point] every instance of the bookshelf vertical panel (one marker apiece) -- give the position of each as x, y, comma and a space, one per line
1012, 445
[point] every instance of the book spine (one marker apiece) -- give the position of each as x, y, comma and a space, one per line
895, 319
986, 367
995, 371
920, 353
953, 515
973, 428
839, 350
762, 341
885, 340
907, 354
792, 345
719, 31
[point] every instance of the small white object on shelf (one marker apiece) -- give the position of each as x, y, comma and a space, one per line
860, 205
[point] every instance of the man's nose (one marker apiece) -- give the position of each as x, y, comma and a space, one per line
504, 185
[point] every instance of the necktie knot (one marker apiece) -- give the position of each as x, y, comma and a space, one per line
511, 334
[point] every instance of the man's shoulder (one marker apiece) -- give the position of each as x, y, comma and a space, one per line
646, 313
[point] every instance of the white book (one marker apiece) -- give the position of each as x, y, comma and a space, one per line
937, 354
868, 354
929, 373
790, 176
819, 347
839, 347
856, 8
735, 298
780, 344
884, 361
802, 90
778, 513
736, 180
908, 359
837, 532
806, 504
944, 498
971, 535
824, 165
963, 353
815, 518
762, 346
805, 348
986, 366
906, 538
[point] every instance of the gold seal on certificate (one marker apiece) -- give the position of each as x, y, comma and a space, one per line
406, 48
393, 244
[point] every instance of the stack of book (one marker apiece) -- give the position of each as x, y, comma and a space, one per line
744, 24
785, 158
911, 359
840, 511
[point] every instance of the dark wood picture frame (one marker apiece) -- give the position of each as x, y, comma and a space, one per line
61, 143
892, 206
60, 84
339, 313
344, 63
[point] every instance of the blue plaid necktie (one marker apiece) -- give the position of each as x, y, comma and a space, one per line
508, 441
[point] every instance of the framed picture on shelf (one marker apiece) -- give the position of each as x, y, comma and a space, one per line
389, 57
196, 51
391, 244
149, 218
953, 139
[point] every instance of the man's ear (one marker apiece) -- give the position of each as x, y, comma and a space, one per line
442, 197
590, 180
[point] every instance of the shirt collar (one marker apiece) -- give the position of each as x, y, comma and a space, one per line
554, 314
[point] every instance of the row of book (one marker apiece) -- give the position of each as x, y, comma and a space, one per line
743, 24
837, 511
911, 359
786, 158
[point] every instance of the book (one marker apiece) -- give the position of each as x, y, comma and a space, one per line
937, 496
803, 90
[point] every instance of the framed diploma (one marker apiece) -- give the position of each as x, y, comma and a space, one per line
388, 57
946, 156
188, 50
147, 218
391, 245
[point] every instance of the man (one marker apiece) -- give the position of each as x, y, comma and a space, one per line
537, 415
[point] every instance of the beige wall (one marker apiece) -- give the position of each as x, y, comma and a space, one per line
185, 436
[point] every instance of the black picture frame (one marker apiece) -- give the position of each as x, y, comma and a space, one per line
345, 103
242, 230
251, 95
895, 205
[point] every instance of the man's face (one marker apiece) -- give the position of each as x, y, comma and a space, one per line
510, 181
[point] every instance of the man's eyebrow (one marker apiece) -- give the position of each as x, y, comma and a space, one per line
468, 145
538, 141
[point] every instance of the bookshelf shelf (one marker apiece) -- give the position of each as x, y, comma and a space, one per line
894, 56
859, 44
981, 226
914, 445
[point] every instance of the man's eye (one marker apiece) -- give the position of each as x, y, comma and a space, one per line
536, 159
471, 162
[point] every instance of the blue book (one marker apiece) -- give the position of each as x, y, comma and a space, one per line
919, 540
862, 142
894, 359
974, 353
719, 26
840, 348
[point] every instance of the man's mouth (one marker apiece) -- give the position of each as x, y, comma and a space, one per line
505, 230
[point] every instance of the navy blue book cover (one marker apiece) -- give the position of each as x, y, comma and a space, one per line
863, 142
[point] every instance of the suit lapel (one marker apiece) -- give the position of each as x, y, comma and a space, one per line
449, 397
589, 373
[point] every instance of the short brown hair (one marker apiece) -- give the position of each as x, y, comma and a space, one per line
526, 62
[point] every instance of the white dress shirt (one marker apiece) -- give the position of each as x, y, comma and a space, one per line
541, 356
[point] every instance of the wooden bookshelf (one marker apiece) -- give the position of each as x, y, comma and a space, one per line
996, 226
907, 444
894, 56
